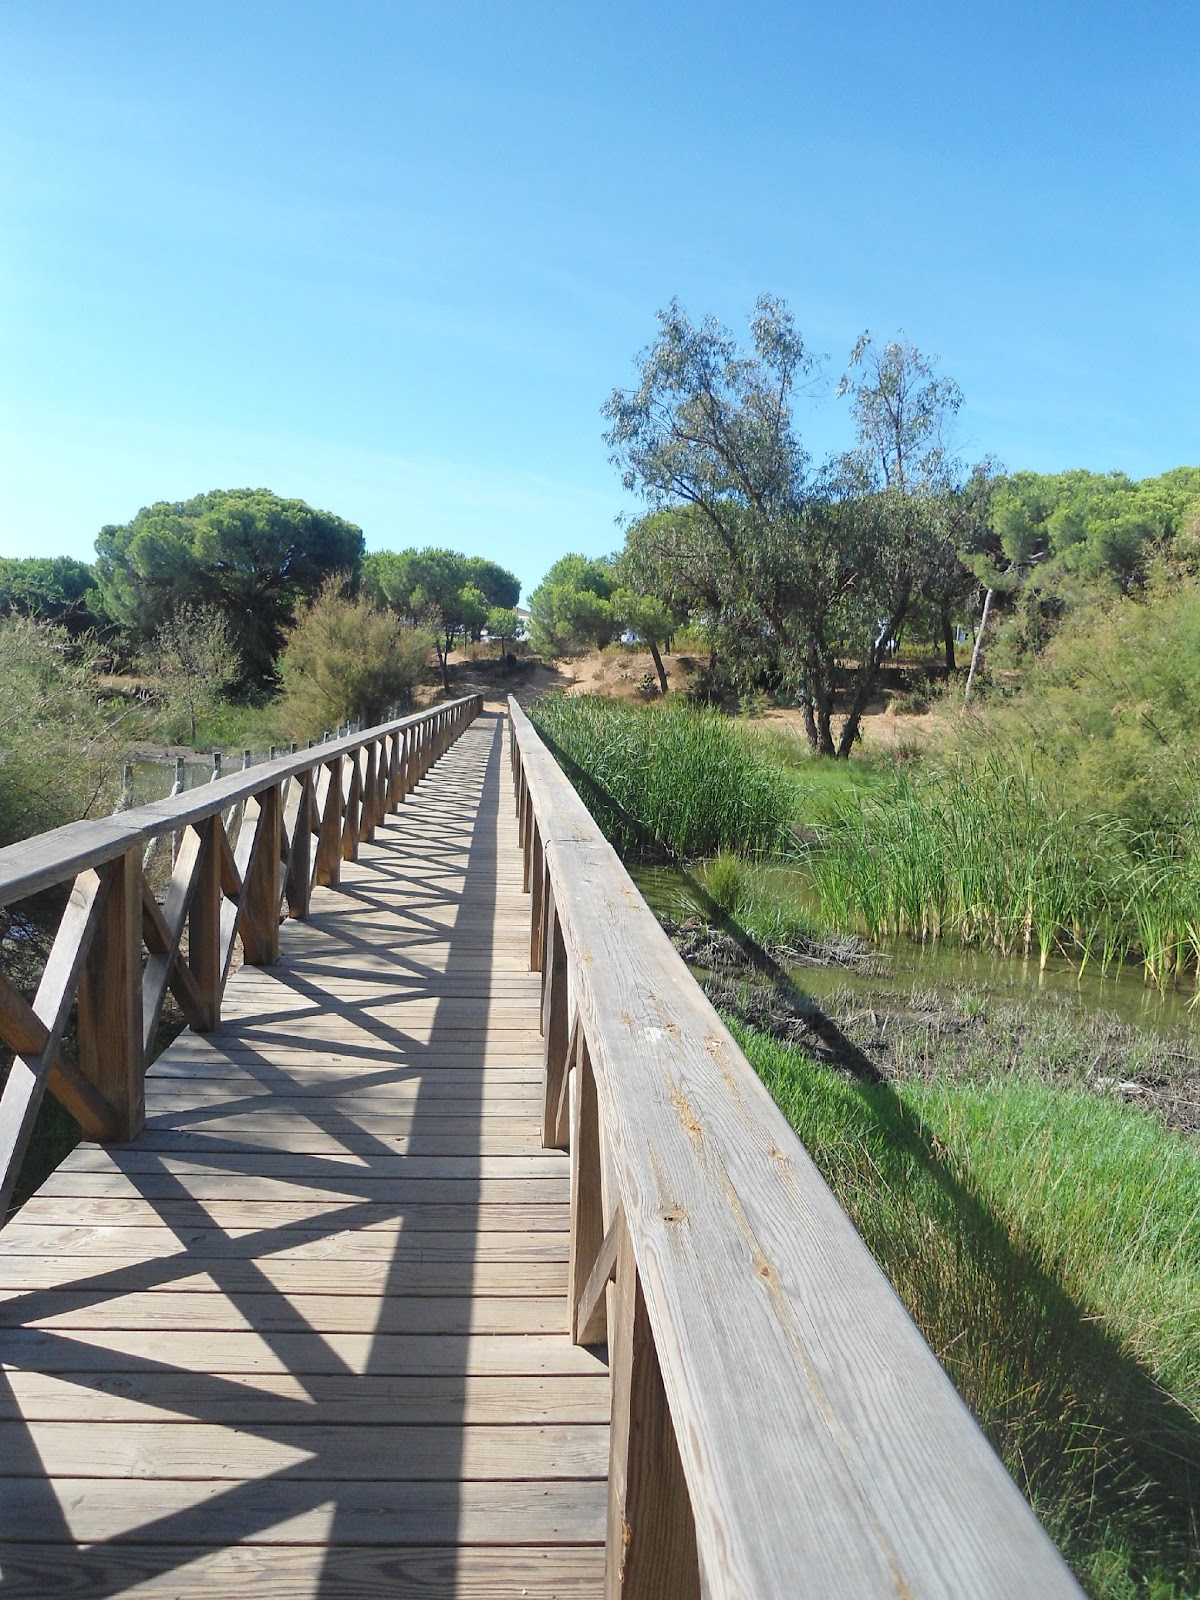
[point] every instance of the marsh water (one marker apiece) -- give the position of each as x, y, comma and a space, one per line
946, 967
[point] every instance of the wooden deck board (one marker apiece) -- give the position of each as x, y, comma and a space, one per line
307, 1335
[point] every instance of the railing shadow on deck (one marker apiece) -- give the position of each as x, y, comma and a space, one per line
238, 1511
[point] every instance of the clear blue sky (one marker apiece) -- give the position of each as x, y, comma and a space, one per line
391, 258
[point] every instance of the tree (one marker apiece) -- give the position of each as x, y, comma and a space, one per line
903, 500
800, 577
52, 589
498, 586
254, 556
503, 625
443, 591
348, 658
193, 659
710, 427
649, 602
571, 609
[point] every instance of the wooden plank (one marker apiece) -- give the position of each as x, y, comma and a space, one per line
332, 1211
406, 1454
53, 1247
284, 1510
265, 1312
448, 1355
380, 1191
336, 1399
223, 1273
294, 1164
297, 1571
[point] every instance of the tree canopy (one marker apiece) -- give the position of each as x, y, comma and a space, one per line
51, 589
248, 552
443, 591
571, 609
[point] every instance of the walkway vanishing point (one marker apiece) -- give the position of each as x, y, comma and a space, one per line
338, 1315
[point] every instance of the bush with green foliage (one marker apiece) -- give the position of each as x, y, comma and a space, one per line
191, 660
571, 610
59, 737
345, 659
51, 589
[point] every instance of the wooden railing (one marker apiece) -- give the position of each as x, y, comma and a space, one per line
248, 850
779, 1426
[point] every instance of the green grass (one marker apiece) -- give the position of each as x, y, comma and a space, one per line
764, 898
668, 778
1048, 1245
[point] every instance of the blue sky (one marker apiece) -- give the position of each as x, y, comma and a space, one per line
391, 259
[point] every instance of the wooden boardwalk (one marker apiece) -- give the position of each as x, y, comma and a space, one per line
306, 1335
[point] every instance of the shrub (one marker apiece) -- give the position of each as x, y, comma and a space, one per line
347, 659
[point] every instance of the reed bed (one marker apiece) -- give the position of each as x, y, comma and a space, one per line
668, 778
1001, 856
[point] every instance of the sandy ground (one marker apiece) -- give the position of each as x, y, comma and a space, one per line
619, 673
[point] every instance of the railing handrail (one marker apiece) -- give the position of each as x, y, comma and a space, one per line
779, 1427
45, 859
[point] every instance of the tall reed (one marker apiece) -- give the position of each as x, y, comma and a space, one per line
993, 854
668, 777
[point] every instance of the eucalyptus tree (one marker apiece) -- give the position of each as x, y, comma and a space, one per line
908, 505
804, 576
710, 427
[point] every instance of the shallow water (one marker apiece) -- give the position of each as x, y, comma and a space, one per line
904, 964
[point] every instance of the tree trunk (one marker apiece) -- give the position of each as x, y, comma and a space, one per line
948, 638
658, 666
975, 654
810, 721
867, 675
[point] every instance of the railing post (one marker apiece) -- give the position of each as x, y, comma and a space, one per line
588, 1323
366, 817
535, 882
556, 1040
395, 786
329, 837
650, 1550
110, 1000
299, 873
259, 904
204, 924
352, 792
